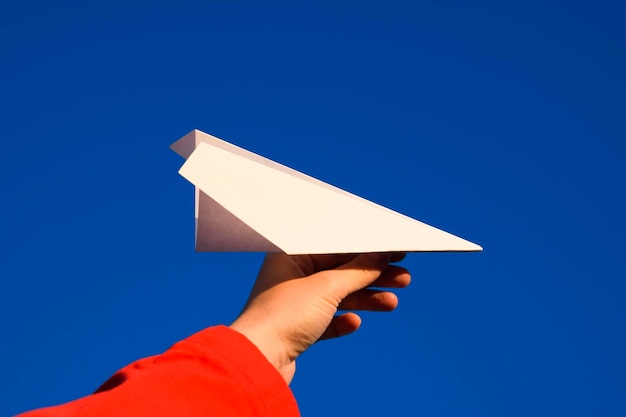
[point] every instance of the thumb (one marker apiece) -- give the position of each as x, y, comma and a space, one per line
360, 272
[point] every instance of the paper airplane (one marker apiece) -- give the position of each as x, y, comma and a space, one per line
248, 203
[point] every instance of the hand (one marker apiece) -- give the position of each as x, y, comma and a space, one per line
295, 298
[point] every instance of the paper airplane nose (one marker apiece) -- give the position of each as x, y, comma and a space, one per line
248, 203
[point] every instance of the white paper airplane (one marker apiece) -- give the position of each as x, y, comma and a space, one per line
248, 203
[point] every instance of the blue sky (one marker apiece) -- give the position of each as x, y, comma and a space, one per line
501, 122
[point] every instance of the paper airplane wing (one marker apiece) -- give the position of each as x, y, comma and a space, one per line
245, 202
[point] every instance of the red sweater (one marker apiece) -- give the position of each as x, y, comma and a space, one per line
216, 372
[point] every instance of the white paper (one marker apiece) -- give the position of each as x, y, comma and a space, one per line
245, 202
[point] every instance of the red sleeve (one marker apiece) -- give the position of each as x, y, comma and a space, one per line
215, 372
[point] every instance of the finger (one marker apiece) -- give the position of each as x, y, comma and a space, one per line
397, 256
370, 300
310, 264
277, 267
359, 273
393, 277
331, 261
342, 325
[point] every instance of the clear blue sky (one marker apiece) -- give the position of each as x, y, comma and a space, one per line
502, 122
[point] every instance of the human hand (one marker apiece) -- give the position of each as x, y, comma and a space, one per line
295, 298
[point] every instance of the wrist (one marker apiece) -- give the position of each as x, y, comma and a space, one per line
269, 345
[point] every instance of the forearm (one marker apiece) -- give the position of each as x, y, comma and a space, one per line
215, 372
